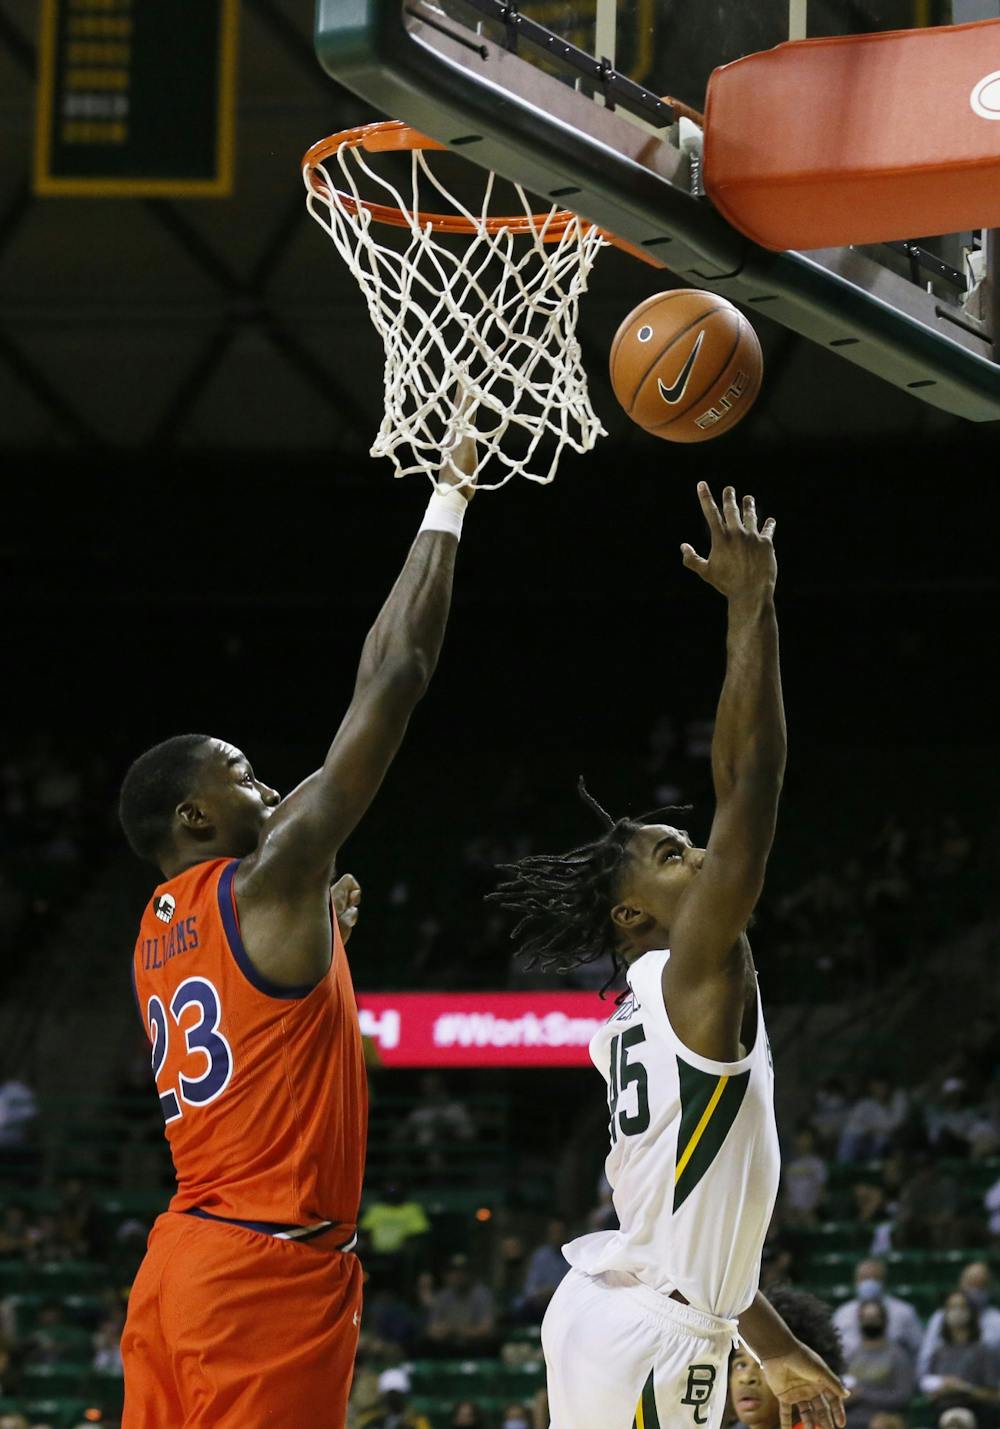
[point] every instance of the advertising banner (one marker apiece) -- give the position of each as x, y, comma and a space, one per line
482, 1029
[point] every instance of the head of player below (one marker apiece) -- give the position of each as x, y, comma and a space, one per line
614, 897
193, 798
810, 1321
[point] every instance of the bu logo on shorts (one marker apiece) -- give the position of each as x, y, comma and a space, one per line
701, 1380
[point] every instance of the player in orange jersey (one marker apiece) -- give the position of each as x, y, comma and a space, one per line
245, 1311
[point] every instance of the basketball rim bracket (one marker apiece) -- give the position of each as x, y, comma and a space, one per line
459, 75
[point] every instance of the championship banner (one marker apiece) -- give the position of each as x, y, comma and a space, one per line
481, 1029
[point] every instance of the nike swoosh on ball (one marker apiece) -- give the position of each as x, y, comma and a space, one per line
676, 392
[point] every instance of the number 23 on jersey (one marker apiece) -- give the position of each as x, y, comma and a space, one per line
201, 1036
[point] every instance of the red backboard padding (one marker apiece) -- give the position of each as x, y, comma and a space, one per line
859, 138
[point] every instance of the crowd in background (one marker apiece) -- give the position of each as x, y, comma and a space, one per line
879, 892
432, 1295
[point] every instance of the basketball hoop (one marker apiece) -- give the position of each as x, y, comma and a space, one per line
479, 337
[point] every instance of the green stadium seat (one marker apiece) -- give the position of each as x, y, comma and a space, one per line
437, 1409
832, 1267
845, 1234
122, 1204
832, 1295
66, 1277
844, 1174
11, 1277
54, 1381
106, 1388
457, 1379
60, 1413
525, 1335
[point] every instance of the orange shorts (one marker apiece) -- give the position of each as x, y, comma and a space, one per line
234, 1329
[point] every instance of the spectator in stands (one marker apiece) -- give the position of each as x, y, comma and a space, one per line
884, 1420
517, 1416
391, 1410
603, 1217
462, 1314
396, 1227
957, 1418
871, 1210
4, 1363
962, 1370
872, 1121
950, 1118
804, 1177
991, 1203
466, 1415
777, 1255
903, 1325
928, 1210
880, 1374
438, 1120
984, 1134
18, 1111
17, 1421
508, 1267
107, 1342
45, 1344
809, 1320
546, 1268
76, 1220
15, 1231
775, 1266
391, 1325
976, 1281
829, 1112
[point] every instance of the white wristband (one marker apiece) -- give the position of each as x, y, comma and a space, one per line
445, 512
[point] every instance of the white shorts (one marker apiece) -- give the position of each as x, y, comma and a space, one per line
619, 1354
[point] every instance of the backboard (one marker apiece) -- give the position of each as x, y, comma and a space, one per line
566, 98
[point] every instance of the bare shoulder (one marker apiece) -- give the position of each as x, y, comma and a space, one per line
287, 937
712, 1008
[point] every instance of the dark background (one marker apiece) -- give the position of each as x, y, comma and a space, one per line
195, 537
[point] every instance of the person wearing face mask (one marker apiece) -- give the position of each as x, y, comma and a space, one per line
903, 1326
963, 1371
880, 1374
515, 1416
976, 1280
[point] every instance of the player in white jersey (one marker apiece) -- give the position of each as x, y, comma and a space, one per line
640, 1330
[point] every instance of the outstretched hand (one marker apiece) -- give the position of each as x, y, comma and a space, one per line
741, 559
345, 895
458, 463
806, 1389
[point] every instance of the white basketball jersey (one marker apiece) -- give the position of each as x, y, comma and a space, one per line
694, 1160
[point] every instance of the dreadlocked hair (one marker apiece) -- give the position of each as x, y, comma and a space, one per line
564, 899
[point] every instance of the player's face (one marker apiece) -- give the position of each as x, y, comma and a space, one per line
237, 803
752, 1401
662, 862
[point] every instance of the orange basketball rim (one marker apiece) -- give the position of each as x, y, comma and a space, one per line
392, 135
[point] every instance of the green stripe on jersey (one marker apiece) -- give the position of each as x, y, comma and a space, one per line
709, 1103
646, 1416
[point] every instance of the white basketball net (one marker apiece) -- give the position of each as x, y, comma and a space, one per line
479, 330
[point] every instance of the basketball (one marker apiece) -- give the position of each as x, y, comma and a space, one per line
686, 365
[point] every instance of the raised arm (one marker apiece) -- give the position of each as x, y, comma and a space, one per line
283, 888
400, 653
748, 751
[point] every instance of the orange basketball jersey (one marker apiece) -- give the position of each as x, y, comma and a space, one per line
263, 1088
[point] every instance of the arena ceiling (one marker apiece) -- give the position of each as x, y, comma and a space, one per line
231, 324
